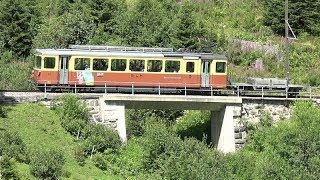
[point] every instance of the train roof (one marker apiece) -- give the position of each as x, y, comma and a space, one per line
136, 54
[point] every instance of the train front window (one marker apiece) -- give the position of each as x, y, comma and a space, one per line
100, 64
172, 66
190, 67
82, 64
49, 62
154, 66
38, 62
136, 65
118, 64
220, 67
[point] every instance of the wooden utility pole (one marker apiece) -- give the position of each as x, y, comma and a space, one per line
287, 41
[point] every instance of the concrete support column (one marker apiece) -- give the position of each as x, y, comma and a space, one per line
222, 129
115, 113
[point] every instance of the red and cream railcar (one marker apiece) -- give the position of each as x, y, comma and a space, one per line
124, 67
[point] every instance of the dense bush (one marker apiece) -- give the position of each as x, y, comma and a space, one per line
96, 139
99, 138
7, 168
161, 154
12, 145
3, 111
15, 74
74, 114
195, 124
135, 118
47, 163
290, 149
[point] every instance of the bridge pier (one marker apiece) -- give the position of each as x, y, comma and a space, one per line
115, 112
222, 129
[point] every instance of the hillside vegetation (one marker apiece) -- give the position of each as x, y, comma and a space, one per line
40, 131
192, 24
35, 142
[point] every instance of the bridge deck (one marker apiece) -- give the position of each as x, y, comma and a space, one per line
172, 101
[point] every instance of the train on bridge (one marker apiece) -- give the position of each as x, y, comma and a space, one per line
101, 67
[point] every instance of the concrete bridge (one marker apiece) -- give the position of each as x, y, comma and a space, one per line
227, 130
222, 112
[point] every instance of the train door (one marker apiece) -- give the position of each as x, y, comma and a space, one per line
205, 73
64, 69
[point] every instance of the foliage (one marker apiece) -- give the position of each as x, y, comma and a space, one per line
3, 111
161, 154
12, 145
47, 163
19, 19
40, 128
135, 118
15, 74
238, 56
195, 124
74, 27
74, 114
98, 138
7, 168
303, 16
292, 146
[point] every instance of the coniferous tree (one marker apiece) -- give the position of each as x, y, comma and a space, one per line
304, 16
19, 21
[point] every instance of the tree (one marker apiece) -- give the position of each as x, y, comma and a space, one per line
75, 27
148, 23
19, 21
304, 16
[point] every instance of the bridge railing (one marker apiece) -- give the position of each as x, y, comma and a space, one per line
183, 89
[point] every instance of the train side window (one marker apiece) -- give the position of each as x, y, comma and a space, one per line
190, 67
154, 66
220, 67
172, 66
100, 64
118, 64
136, 65
82, 63
49, 62
38, 62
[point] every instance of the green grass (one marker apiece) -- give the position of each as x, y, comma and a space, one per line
39, 128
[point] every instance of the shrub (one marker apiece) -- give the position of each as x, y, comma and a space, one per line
3, 111
7, 168
7, 57
195, 124
127, 160
99, 138
189, 159
165, 156
12, 145
136, 118
47, 163
74, 114
16, 75
81, 155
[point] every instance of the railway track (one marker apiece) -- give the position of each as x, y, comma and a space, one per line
86, 93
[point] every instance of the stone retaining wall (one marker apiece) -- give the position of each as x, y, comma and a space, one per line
252, 113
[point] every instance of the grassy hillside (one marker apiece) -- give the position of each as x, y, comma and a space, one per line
40, 128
